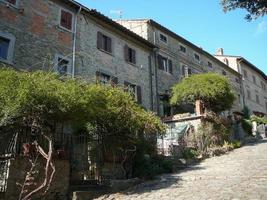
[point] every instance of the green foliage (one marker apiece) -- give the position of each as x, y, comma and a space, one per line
212, 89
246, 112
190, 153
254, 8
259, 120
236, 144
247, 126
148, 167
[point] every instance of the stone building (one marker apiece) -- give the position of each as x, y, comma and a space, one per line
254, 82
178, 58
66, 37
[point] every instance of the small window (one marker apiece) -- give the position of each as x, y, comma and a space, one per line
225, 60
237, 80
182, 49
62, 65
163, 38
7, 43
263, 86
4, 46
254, 79
196, 56
224, 73
129, 54
66, 19
104, 42
245, 73
106, 79
210, 65
134, 90
164, 64
248, 94
257, 98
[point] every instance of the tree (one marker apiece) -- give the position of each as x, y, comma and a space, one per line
213, 90
255, 8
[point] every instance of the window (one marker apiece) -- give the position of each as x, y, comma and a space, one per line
135, 91
163, 38
130, 54
224, 73
245, 73
248, 94
104, 42
237, 80
66, 19
182, 49
62, 65
254, 79
4, 45
164, 64
257, 98
186, 71
225, 60
196, 56
7, 42
106, 79
210, 65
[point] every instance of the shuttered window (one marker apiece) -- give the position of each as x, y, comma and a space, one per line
129, 54
4, 46
135, 90
66, 19
165, 64
104, 42
105, 79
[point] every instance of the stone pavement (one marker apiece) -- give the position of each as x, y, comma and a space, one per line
239, 175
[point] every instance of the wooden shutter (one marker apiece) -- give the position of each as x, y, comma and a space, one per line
66, 19
109, 48
133, 56
126, 53
160, 62
114, 81
97, 76
12, 1
170, 66
126, 84
139, 94
99, 40
189, 71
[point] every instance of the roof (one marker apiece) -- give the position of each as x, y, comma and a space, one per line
112, 23
253, 67
184, 41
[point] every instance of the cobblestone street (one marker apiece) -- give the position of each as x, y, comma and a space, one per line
239, 175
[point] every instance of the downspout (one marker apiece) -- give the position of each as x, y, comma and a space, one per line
151, 83
74, 42
242, 85
156, 80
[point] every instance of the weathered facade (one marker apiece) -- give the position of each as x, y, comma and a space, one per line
178, 58
254, 82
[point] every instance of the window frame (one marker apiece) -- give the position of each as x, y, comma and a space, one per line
103, 45
210, 65
164, 35
183, 47
195, 57
168, 67
130, 55
56, 62
16, 5
72, 19
11, 47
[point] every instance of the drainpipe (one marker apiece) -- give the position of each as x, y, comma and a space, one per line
74, 42
242, 85
156, 80
151, 83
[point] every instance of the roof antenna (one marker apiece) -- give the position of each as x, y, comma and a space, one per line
117, 12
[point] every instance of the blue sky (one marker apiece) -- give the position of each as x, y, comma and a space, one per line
200, 21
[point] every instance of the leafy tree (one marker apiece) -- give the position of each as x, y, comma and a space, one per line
213, 90
255, 8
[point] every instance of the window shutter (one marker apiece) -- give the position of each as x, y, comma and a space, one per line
126, 84
99, 40
160, 62
133, 56
170, 66
126, 53
97, 75
109, 45
66, 19
12, 1
139, 94
189, 71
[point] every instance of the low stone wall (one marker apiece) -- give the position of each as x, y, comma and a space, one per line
18, 169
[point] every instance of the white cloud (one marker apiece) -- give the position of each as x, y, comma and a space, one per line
262, 27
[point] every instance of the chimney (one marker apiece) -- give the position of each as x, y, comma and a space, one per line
219, 52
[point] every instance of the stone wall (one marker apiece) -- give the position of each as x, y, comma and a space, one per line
17, 172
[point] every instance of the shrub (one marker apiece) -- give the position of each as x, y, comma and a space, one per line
247, 126
190, 153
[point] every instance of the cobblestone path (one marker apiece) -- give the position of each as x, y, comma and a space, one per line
239, 175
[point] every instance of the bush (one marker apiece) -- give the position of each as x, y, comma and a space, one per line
190, 153
247, 126
236, 144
